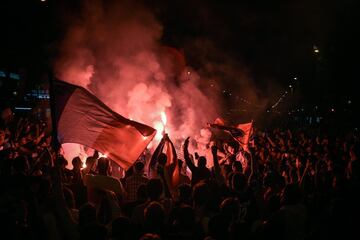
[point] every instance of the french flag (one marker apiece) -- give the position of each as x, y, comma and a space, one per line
82, 118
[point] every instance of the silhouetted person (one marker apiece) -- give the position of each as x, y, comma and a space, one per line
199, 172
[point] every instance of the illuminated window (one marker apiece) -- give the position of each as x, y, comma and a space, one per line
15, 76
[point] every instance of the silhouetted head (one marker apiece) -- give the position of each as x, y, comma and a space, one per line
154, 216
89, 161
61, 162
154, 189
139, 167
103, 166
76, 162
162, 159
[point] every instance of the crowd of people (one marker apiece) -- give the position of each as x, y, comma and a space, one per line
291, 184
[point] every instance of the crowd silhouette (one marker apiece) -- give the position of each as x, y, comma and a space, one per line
291, 184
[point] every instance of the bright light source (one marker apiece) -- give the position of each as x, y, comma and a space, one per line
188, 73
349, 102
163, 118
333, 110
290, 86
295, 78
316, 49
159, 130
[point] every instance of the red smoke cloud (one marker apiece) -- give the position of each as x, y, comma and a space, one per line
115, 51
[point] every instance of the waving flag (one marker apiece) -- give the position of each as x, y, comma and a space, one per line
173, 161
235, 132
242, 133
82, 118
247, 129
167, 147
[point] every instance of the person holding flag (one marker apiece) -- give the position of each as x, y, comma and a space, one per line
80, 117
164, 163
242, 134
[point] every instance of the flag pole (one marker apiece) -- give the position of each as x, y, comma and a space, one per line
54, 140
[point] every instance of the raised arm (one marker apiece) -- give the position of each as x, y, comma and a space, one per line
188, 161
156, 154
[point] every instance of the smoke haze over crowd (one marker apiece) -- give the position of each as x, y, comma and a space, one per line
115, 52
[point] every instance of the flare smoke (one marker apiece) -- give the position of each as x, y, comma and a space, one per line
115, 51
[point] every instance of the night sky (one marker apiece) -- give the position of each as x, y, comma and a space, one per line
273, 40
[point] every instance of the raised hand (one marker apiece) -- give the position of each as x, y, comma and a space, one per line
186, 143
214, 150
166, 136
